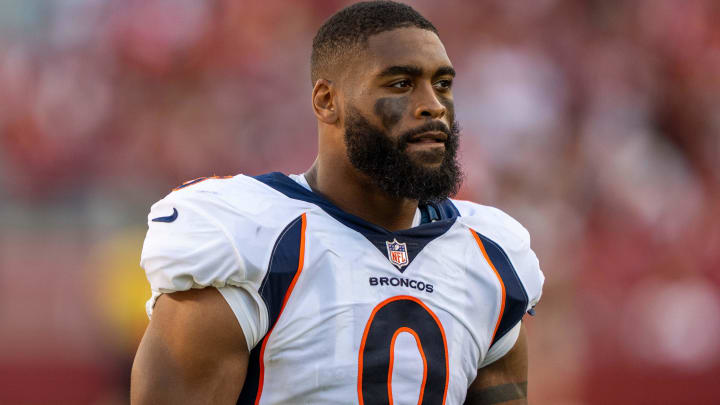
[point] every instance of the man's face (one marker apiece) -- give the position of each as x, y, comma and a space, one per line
399, 118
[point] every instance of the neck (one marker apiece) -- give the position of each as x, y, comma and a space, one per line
354, 193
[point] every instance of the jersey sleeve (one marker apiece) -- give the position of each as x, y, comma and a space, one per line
528, 270
188, 247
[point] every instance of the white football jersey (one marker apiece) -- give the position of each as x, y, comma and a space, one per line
337, 310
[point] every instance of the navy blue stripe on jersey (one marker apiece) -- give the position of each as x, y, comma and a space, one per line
252, 378
284, 264
416, 238
516, 298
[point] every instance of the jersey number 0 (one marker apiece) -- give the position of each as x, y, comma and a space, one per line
388, 319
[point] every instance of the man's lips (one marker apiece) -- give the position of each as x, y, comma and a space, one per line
429, 137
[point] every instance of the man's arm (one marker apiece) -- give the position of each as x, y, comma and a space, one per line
193, 352
504, 381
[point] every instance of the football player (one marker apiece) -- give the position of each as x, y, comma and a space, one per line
359, 281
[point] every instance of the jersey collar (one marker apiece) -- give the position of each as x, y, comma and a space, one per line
437, 218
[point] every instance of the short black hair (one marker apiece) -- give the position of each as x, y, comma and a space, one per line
353, 25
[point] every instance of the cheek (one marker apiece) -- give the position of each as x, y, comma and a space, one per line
390, 110
450, 107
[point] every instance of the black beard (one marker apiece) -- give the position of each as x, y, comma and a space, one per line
386, 162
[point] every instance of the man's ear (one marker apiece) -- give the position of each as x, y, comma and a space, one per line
324, 101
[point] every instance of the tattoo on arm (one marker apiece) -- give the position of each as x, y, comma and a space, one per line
497, 394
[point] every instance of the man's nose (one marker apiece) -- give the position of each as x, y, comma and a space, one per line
429, 106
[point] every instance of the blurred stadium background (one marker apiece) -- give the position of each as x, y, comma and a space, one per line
595, 123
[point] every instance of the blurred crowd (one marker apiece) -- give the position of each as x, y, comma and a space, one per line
596, 123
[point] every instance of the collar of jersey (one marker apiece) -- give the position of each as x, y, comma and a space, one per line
443, 215
440, 213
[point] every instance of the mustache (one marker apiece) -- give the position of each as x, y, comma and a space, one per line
430, 126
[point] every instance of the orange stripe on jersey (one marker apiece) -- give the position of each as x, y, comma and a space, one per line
199, 180
301, 262
497, 274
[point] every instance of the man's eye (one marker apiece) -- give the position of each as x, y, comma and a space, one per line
402, 84
443, 84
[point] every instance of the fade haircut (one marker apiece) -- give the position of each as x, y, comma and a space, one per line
351, 27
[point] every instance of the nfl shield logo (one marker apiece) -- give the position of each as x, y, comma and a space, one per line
397, 253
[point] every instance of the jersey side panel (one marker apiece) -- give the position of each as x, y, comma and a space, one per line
514, 298
505, 246
285, 266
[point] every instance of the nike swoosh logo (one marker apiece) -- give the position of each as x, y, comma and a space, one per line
168, 218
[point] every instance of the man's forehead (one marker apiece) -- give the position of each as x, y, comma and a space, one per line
405, 47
